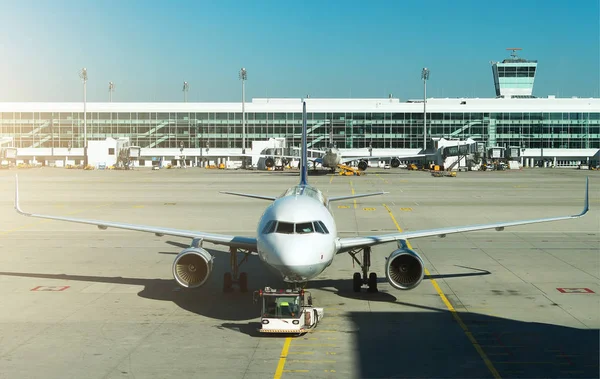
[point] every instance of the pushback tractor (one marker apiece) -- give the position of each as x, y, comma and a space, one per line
287, 311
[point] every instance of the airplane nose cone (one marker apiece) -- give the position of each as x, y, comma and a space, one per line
293, 257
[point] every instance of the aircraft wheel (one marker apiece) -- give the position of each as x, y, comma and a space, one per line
356, 282
372, 282
227, 282
243, 282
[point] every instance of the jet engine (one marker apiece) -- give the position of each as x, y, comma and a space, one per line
192, 267
269, 162
395, 162
362, 165
404, 269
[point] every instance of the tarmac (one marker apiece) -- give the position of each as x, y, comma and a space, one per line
79, 302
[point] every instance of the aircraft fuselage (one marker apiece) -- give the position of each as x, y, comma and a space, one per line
331, 158
296, 235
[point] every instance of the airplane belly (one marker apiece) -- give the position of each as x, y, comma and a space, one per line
300, 274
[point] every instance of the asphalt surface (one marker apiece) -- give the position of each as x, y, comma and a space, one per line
79, 302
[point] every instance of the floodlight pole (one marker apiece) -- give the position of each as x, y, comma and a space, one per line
243, 77
111, 89
186, 87
425, 76
84, 77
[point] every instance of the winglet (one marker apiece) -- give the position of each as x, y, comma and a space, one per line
17, 207
586, 203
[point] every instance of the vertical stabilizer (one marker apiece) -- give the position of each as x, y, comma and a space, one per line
304, 156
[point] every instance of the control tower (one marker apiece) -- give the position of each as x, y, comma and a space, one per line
514, 76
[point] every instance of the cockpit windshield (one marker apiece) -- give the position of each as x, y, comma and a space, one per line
285, 227
304, 227
274, 226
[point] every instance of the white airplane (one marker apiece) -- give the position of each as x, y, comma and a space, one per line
297, 238
332, 157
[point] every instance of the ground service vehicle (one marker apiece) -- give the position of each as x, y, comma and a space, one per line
287, 311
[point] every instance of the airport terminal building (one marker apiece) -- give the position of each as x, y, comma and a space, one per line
563, 129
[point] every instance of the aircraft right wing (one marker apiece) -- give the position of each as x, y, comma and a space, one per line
247, 243
348, 243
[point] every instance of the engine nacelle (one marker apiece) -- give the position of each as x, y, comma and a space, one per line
192, 267
363, 165
269, 162
404, 269
395, 162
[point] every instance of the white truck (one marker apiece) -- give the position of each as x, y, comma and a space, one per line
287, 311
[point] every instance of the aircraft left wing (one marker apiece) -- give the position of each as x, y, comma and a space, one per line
345, 244
247, 243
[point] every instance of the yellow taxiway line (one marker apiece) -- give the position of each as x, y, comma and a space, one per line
455, 314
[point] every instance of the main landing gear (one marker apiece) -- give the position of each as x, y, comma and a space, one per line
236, 277
359, 280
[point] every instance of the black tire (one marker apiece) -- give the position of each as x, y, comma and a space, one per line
356, 282
243, 282
227, 282
372, 282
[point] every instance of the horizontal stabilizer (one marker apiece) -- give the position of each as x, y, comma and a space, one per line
336, 198
270, 198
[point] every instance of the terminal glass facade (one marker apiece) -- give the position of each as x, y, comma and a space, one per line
350, 130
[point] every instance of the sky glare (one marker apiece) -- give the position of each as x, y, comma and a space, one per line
291, 49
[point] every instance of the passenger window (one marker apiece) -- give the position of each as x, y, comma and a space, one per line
285, 227
304, 227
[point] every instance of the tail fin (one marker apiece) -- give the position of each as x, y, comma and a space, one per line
304, 153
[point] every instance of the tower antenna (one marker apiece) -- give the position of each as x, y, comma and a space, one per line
514, 51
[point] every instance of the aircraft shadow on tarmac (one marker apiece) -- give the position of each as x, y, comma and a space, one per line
417, 342
422, 342
425, 342
431, 344
210, 300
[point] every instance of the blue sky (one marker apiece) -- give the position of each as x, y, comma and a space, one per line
291, 49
